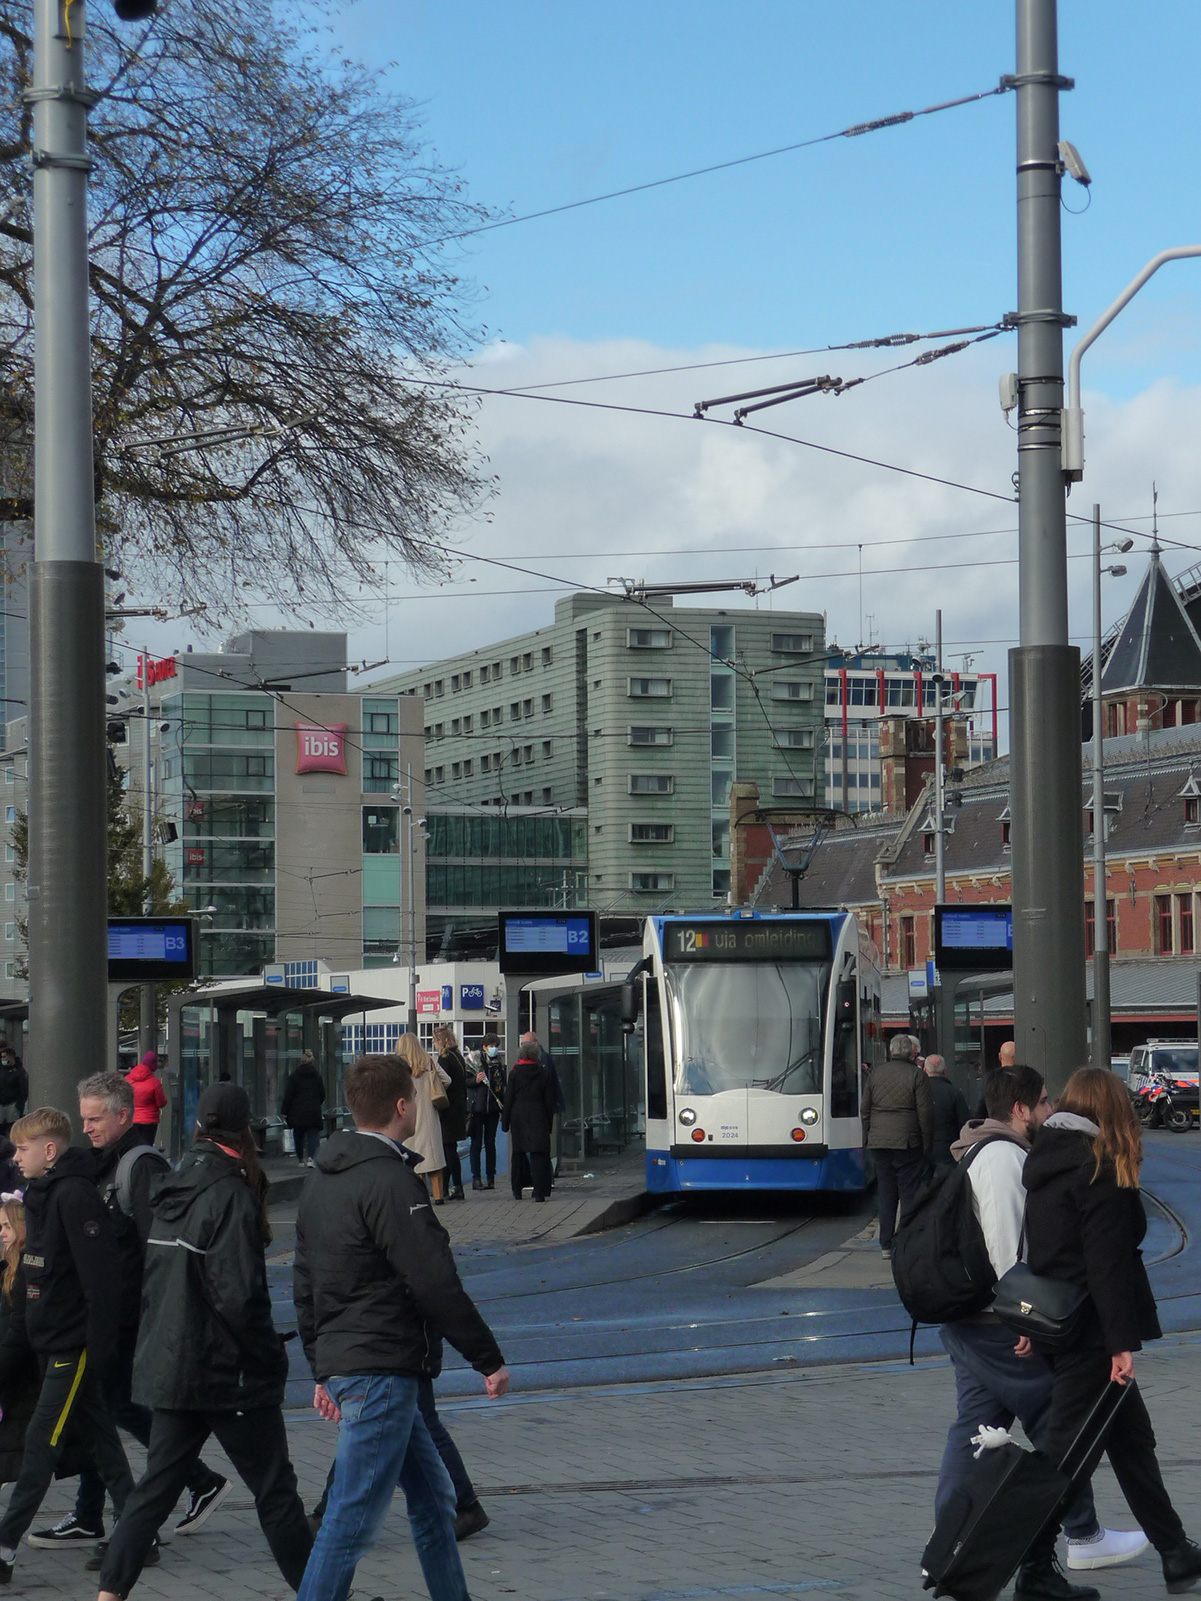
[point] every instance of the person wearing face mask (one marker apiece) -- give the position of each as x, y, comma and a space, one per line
487, 1097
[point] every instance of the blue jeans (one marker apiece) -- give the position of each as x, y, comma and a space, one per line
995, 1386
382, 1443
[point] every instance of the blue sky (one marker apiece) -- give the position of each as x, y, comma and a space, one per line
909, 229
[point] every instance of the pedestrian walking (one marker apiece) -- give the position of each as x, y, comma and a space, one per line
19, 1396
124, 1170
14, 1088
429, 1096
487, 1098
453, 1116
376, 1292
898, 1129
949, 1110
149, 1097
300, 1108
994, 1385
66, 1310
556, 1084
529, 1110
1084, 1223
209, 1360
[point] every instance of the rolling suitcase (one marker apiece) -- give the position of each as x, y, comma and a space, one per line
992, 1521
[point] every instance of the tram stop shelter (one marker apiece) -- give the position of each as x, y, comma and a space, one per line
254, 1035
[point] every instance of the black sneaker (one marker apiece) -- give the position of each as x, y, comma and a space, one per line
96, 1561
1181, 1566
470, 1521
6, 1571
67, 1531
201, 1506
1044, 1581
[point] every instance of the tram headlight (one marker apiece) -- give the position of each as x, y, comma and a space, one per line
809, 1115
688, 1117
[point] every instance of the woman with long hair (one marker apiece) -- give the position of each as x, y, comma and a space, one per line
426, 1139
1084, 1224
19, 1396
209, 1360
452, 1116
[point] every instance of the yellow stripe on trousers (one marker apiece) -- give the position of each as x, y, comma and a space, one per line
71, 1394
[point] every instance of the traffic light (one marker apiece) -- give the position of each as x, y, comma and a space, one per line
135, 10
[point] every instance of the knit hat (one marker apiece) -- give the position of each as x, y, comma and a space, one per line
225, 1107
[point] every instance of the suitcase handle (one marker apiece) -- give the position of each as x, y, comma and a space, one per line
1101, 1414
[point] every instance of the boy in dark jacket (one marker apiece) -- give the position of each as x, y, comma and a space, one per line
376, 1289
66, 1311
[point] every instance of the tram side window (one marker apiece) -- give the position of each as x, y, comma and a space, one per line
656, 1062
844, 1070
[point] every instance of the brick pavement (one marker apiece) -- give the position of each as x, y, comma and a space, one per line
809, 1481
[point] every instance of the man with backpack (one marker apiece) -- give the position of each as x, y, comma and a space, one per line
124, 1169
993, 1384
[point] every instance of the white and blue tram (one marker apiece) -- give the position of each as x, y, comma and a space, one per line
757, 1031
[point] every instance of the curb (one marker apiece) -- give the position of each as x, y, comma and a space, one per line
626, 1209
284, 1191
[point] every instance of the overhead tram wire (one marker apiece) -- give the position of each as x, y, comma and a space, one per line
857, 129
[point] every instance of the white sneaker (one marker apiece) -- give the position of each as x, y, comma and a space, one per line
1107, 1548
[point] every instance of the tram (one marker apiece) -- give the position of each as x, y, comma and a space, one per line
757, 1031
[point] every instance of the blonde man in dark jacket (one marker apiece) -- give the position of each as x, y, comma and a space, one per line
898, 1129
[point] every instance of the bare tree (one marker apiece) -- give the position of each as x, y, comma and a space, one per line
269, 276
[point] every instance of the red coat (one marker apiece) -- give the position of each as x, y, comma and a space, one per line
149, 1096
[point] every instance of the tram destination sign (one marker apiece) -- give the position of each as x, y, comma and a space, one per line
547, 942
976, 938
752, 940
151, 950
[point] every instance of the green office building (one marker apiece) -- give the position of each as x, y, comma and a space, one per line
608, 741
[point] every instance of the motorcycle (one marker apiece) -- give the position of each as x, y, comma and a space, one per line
1167, 1103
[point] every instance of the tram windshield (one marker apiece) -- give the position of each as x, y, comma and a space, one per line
747, 1025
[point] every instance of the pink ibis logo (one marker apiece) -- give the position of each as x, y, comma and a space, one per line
321, 750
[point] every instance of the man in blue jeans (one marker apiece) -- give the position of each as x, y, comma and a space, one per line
376, 1290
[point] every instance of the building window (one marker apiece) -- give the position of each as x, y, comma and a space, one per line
721, 641
468, 724
514, 666
456, 683
793, 739
649, 883
485, 764
548, 796
485, 719
548, 747
721, 692
719, 786
792, 786
10, 931
721, 881
1192, 810
427, 690
652, 833
792, 644
1005, 839
908, 942
466, 680
514, 711
10, 814
652, 784
468, 768
10, 892
721, 744
657, 688
793, 689
648, 638
527, 708
256, 719
1090, 927
548, 703
928, 842
1184, 908
642, 735
438, 689
456, 724
548, 655
10, 969
439, 774
527, 662
485, 674
1164, 944
528, 753
456, 769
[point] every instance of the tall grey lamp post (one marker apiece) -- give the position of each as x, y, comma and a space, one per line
1102, 1054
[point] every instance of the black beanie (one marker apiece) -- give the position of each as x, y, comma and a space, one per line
224, 1106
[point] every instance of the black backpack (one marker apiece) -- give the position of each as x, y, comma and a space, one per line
940, 1264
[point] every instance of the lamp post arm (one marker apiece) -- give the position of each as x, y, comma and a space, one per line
1073, 430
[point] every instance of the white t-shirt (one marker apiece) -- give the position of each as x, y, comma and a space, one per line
999, 1200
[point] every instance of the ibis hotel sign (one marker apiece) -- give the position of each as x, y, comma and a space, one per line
153, 671
321, 750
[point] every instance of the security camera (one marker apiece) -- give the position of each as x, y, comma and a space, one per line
1070, 157
407, 810
164, 728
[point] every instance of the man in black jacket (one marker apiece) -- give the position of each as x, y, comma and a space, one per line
106, 1113
66, 1310
376, 1290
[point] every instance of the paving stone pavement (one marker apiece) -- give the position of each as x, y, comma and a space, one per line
813, 1481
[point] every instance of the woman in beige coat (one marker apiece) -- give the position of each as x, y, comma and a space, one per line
426, 1138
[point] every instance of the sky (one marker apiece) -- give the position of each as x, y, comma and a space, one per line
909, 229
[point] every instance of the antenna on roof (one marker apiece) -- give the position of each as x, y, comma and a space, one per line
1155, 551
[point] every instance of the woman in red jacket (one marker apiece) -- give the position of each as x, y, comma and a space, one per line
149, 1097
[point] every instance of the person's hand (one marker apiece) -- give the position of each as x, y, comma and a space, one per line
481, 1077
497, 1383
325, 1404
1121, 1367
1023, 1347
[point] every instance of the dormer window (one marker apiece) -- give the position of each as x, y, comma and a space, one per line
1192, 810
1111, 800
928, 842
1191, 796
1004, 822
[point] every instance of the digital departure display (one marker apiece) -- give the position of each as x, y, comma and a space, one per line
143, 950
973, 936
547, 942
749, 940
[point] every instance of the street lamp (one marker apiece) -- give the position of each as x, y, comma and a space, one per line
1102, 1053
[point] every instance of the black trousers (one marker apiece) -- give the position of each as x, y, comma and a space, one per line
147, 1132
454, 1167
256, 1443
71, 1393
1080, 1376
117, 1384
898, 1178
483, 1133
538, 1164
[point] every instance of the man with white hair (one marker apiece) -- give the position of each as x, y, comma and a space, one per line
898, 1126
950, 1113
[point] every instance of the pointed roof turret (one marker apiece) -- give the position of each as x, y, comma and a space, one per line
1157, 646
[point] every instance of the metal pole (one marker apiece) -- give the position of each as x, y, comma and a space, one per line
940, 777
412, 910
67, 883
1102, 1047
1048, 871
148, 1017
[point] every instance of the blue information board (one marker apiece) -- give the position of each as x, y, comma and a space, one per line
151, 950
977, 937
547, 942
